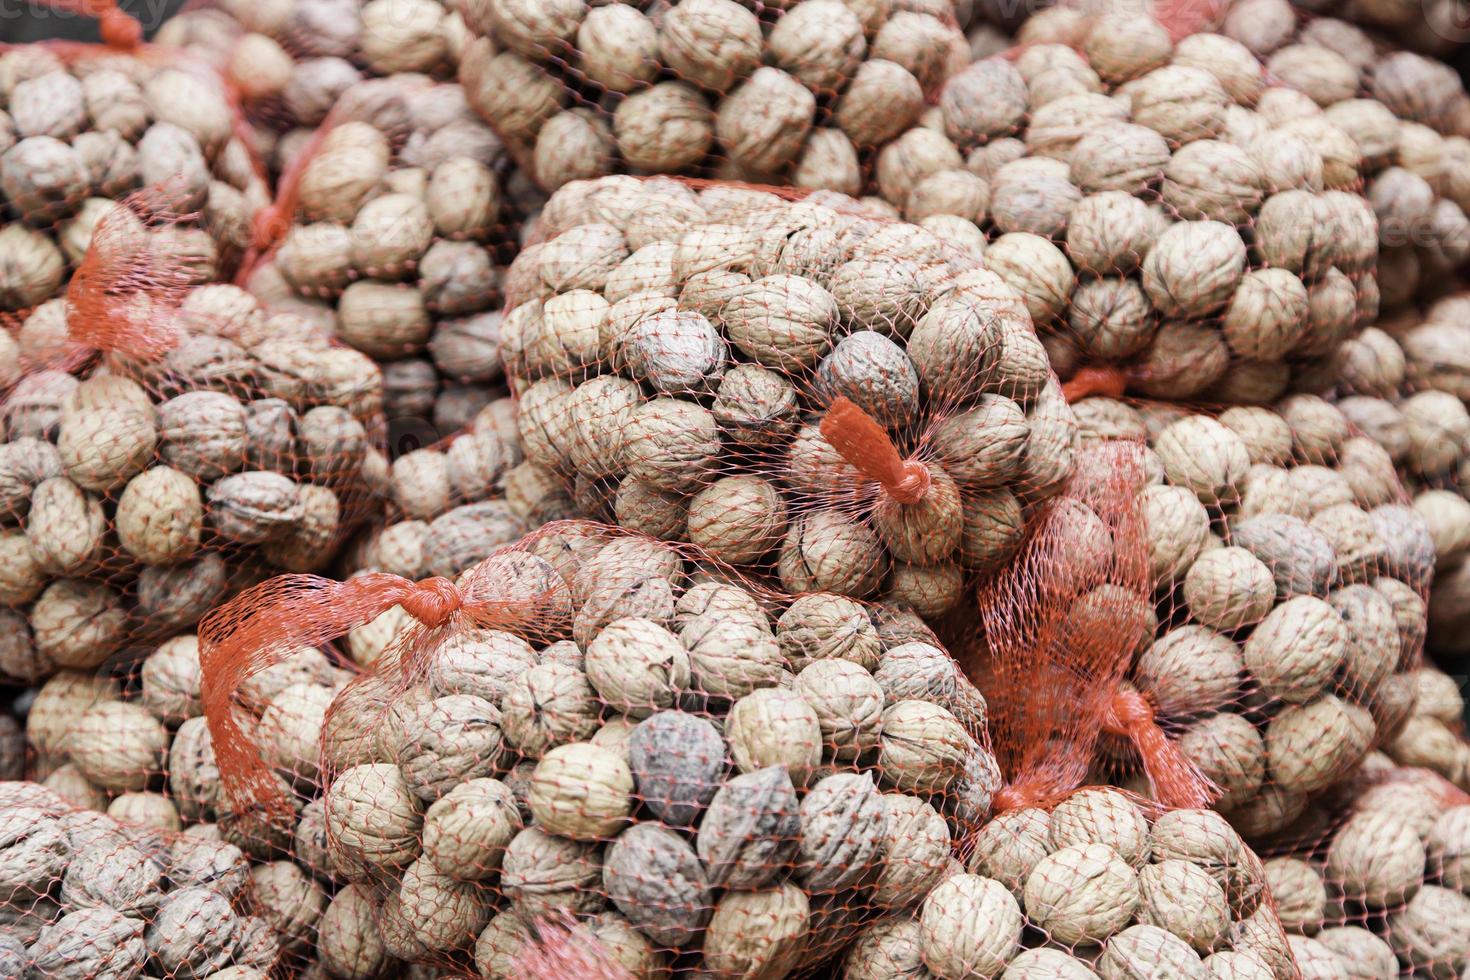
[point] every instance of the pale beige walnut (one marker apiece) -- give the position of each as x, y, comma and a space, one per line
373, 816
467, 830
1101, 817
757, 933
1299, 891
1194, 268
1340, 733
118, 746
1190, 670
1297, 649
850, 708
160, 516
1081, 894
969, 926
772, 727
1376, 858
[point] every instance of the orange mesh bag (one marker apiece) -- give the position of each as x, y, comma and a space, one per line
170, 444
1070, 880
1408, 116
1284, 599
1405, 383
82, 126
391, 230
595, 724
1372, 883
87, 896
801, 93
290, 62
840, 400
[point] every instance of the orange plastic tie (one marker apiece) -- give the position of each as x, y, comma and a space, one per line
860, 440
118, 29
1176, 781
1109, 382
433, 601
269, 228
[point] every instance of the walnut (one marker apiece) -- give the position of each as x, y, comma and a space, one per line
969, 925
655, 879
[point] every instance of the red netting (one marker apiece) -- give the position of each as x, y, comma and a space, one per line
290, 63
88, 895
597, 724
1277, 632
391, 228
1373, 882
838, 400
166, 441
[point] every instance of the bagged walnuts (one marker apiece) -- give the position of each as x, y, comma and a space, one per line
797, 93
1372, 883
290, 62
166, 441
391, 232
597, 724
454, 502
794, 386
1096, 886
87, 895
83, 126
1406, 384
1408, 116
1167, 222
1281, 612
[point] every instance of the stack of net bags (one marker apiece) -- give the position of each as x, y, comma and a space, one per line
166, 442
594, 725
86, 895
1373, 882
392, 233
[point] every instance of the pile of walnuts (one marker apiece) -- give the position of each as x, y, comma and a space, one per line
680, 760
792, 93
77, 135
674, 352
138, 492
290, 62
1406, 383
1377, 884
395, 245
1289, 571
1094, 888
1409, 116
455, 502
1171, 210
86, 895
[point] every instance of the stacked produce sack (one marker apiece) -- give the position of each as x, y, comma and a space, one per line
165, 439
1403, 384
1407, 114
1277, 625
1373, 885
82, 127
392, 233
597, 724
1070, 880
799, 387
579, 91
85, 895
291, 62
